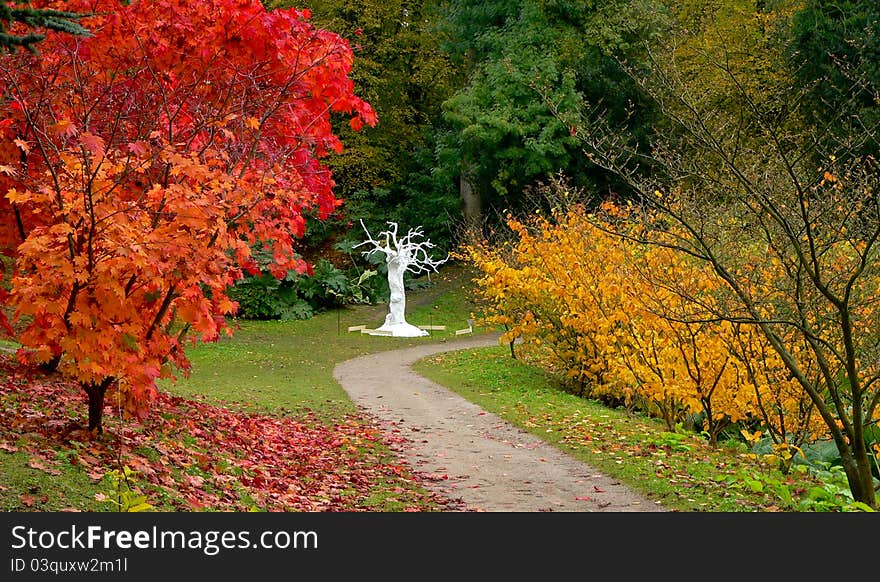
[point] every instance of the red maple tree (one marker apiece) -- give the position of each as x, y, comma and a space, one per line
140, 166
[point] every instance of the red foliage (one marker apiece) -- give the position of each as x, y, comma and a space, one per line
140, 166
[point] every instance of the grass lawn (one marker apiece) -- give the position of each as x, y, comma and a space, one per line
287, 367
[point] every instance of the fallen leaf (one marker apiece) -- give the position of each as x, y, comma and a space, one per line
193, 480
40, 465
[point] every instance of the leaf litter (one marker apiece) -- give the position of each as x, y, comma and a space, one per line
190, 455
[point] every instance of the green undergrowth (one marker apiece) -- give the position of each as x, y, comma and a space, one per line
679, 470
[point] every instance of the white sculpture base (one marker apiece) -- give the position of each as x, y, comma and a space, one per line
400, 330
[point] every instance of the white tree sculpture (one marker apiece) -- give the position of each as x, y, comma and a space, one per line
401, 255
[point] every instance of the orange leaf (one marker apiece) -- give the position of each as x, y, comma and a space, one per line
64, 127
22, 145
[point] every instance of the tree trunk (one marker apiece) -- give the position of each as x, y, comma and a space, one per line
857, 466
512, 351
397, 297
96, 403
51, 365
471, 202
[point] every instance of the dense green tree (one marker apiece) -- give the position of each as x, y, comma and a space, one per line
402, 72
716, 40
522, 59
835, 53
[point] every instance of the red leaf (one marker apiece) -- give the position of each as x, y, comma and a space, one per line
136, 147
28, 500
92, 143
193, 480
40, 465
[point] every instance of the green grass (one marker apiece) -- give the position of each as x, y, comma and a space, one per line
22, 485
679, 470
287, 367
7, 344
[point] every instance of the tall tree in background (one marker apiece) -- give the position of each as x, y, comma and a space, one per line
140, 166
404, 75
503, 137
835, 52
717, 38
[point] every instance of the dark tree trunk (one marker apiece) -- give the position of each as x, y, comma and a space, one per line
51, 365
513, 341
96, 403
857, 466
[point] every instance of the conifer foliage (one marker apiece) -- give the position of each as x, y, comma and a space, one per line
34, 19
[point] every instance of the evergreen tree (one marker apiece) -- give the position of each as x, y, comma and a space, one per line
34, 18
835, 54
518, 57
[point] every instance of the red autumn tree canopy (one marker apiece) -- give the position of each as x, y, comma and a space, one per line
140, 166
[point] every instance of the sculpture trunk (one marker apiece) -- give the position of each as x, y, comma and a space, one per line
401, 254
395, 321
397, 299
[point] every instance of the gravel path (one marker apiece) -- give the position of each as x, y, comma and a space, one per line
473, 455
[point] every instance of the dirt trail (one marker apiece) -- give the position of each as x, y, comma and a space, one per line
473, 455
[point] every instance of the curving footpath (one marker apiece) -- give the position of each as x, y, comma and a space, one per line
472, 455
